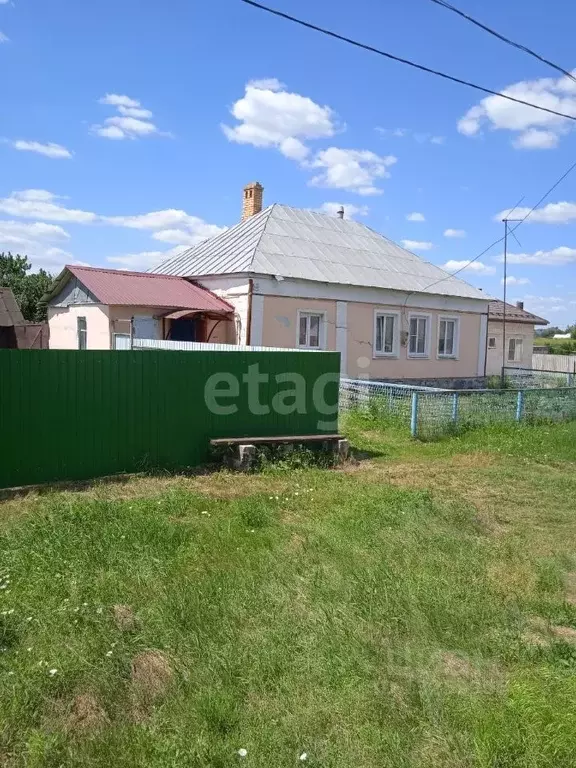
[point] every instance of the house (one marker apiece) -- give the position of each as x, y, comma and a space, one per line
562, 336
298, 278
90, 308
10, 318
520, 327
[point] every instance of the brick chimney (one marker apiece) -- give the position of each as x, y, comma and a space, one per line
520, 305
252, 200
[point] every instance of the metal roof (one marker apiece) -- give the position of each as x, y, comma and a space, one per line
10, 313
141, 289
306, 245
514, 314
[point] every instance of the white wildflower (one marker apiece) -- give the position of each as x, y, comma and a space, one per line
242, 752
52, 672
303, 756
108, 653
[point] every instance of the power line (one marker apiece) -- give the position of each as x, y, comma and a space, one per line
504, 39
508, 215
399, 59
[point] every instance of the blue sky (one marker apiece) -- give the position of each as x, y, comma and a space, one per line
127, 129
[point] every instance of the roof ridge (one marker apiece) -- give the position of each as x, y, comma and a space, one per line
128, 272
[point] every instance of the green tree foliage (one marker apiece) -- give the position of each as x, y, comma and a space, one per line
549, 332
28, 288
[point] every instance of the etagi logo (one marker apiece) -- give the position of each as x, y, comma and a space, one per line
223, 388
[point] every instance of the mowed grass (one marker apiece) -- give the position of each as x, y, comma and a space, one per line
416, 608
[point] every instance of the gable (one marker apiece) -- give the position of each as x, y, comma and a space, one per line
74, 292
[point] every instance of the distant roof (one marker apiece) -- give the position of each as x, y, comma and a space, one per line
513, 313
141, 289
306, 245
10, 313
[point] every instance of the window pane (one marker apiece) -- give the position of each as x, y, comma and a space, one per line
421, 345
512, 349
314, 321
442, 338
379, 333
492, 342
413, 335
389, 335
303, 330
450, 326
81, 331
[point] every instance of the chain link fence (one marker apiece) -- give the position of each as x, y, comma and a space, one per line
433, 413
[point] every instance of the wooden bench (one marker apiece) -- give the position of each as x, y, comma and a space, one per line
246, 446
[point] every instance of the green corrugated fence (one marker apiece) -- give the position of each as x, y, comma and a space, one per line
72, 415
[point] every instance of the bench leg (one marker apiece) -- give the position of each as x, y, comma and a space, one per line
245, 458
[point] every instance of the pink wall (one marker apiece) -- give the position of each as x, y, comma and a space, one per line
280, 320
63, 322
280, 329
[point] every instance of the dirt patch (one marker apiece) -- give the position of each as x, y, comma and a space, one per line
537, 632
459, 669
124, 618
86, 715
296, 543
150, 679
571, 588
568, 634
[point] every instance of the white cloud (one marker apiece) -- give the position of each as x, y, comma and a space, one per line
143, 260
351, 169
545, 304
421, 138
117, 100
55, 151
350, 211
556, 257
132, 122
35, 240
553, 213
534, 129
536, 139
454, 233
476, 266
167, 223
415, 216
511, 280
417, 245
270, 116
4, 38
40, 204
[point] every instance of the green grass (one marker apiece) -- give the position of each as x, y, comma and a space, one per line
416, 609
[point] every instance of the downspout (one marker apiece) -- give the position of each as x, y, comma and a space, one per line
249, 313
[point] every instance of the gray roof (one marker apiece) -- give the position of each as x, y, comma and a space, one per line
10, 313
306, 245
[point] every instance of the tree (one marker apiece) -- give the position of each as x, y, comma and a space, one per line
28, 288
547, 333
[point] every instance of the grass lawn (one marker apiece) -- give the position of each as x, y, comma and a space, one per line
416, 608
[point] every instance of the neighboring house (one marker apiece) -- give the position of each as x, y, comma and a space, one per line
298, 278
91, 308
562, 336
15, 332
519, 343
10, 318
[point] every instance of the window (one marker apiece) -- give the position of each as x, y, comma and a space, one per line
310, 330
82, 332
385, 334
492, 342
448, 337
514, 350
418, 337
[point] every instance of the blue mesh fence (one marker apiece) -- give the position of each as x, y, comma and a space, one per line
432, 413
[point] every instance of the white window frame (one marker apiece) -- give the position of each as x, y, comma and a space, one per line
427, 340
454, 354
322, 335
395, 336
81, 332
518, 345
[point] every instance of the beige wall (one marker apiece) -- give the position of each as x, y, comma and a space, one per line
64, 329
234, 290
523, 331
280, 320
356, 327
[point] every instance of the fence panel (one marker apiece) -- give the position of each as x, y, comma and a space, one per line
72, 415
566, 363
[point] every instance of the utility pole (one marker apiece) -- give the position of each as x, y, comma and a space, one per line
506, 222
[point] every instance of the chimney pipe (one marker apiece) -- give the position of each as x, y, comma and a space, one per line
520, 304
252, 199
340, 213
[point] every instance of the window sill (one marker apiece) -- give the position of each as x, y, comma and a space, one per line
447, 357
417, 356
385, 356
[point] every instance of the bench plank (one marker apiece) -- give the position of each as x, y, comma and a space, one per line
284, 439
